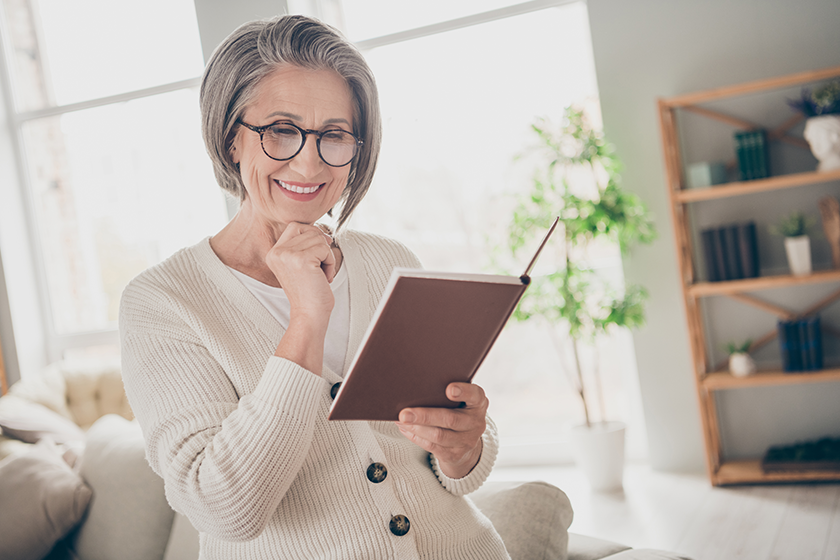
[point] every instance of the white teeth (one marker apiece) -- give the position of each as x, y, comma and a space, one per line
299, 190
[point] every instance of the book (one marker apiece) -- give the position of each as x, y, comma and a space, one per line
429, 330
748, 247
815, 342
761, 154
713, 274
804, 346
719, 243
784, 345
742, 155
733, 253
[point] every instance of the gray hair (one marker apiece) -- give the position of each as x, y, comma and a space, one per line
256, 49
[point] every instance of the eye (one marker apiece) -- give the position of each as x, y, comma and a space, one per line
338, 136
283, 131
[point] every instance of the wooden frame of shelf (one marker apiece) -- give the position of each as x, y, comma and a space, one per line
709, 379
4, 387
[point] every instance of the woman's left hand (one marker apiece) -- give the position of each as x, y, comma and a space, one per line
452, 434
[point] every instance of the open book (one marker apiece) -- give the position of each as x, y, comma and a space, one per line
430, 329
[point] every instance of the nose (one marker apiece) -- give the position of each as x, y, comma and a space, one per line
308, 163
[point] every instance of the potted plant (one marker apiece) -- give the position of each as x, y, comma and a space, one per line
741, 363
822, 129
577, 179
794, 228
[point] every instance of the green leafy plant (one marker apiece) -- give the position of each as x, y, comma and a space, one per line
825, 100
794, 224
735, 348
578, 181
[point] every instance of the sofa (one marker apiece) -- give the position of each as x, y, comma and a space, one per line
75, 484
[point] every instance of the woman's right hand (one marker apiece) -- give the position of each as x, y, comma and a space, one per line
303, 262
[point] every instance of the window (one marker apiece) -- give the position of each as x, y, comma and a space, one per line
458, 101
107, 122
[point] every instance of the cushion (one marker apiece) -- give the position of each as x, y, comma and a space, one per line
43, 499
29, 422
48, 389
183, 540
646, 554
129, 517
532, 518
582, 547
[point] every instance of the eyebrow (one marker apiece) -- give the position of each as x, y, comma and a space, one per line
299, 118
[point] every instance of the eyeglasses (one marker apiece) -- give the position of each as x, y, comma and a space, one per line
283, 141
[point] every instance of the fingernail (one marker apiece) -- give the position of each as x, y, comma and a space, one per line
455, 391
407, 417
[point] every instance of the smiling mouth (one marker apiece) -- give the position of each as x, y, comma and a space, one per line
298, 189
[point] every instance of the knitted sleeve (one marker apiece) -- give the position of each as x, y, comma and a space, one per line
226, 461
477, 476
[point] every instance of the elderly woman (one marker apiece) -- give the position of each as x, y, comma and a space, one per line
233, 348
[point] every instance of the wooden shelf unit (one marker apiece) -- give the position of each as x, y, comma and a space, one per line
710, 378
4, 387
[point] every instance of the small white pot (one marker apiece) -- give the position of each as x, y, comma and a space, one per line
798, 251
823, 135
741, 364
599, 450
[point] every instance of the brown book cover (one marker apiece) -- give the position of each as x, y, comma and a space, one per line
430, 329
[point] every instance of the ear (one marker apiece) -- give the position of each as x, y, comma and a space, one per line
232, 141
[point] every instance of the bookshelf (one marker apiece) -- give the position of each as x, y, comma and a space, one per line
3, 383
712, 378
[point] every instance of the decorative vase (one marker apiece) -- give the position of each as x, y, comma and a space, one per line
599, 450
798, 251
823, 135
741, 364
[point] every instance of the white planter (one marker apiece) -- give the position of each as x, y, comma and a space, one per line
741, 364
599, 450
798, 251
823, 135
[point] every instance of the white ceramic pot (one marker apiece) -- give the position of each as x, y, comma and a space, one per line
599, 451
798, 251
823, 135
741, 364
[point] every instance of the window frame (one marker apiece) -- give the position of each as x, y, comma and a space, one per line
54, 345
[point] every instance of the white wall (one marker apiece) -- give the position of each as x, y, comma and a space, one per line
218, 18
647, 49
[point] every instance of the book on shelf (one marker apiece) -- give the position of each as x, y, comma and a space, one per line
816, 455
800, 344
730, 252
748, 249
430, 329
751, 150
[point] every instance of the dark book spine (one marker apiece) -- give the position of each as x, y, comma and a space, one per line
733, 252
752, 160
722, 258
784, 345
815, 342
712, 272
742, 156
792, 328
748, 244
762, 155
804, 346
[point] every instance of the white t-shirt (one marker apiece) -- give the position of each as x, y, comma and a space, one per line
338, 331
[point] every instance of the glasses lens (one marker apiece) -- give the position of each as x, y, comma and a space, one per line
337, 147
281, 141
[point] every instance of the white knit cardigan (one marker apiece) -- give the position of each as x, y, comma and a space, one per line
241, 437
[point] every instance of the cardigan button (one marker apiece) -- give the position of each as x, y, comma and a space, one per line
377, 472
399, 525
334, 389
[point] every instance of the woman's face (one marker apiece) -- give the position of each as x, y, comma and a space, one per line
303, 188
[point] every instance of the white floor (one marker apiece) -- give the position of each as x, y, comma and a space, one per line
684, 513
